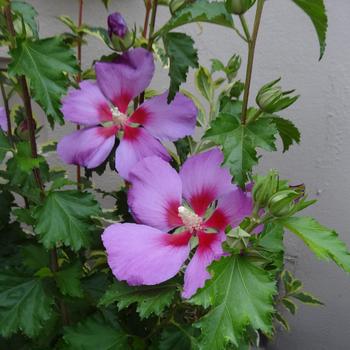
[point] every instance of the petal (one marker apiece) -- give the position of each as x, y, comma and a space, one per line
232, 208
3, 119
204, 180
143, 255
155, 194
88, 147
137, 144
167, 121
86, 105
209, 249
125, 78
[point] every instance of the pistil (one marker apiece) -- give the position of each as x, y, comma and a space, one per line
191, 220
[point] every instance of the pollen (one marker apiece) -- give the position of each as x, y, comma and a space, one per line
119, 118
191, 220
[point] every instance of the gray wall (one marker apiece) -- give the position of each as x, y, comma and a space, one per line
287, 47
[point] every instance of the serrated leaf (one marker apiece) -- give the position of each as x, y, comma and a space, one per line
24, 305
24, 159
241, 296
68, 280
28, 13
200, 11
176, 338
149, 299
95, 333
4, 145
45, 63
65, 216
240, 141
289, 305
182, 55
307, 298
271, 238
35, 257
316, 11
204, 83
323, 241
288, 132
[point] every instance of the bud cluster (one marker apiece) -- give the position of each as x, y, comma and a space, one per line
238, 7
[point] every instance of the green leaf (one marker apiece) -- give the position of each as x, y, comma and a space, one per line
106, 3
282, 321
6, 200
44, 62
204, 83
68, 280
182, 55
24, 159
271, 238
28, 13
316, 10
289, 305
307, 298
241, 296
239, 142
323, 241
4, 145
35, 257
149, 299
97, 32
217, 65
24, 305
288, 132
177, 338
65, 216
95, 333
200, 11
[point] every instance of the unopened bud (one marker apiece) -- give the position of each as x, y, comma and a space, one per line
271, 98
264, 188
238, 7
282, 203
22, 130
121, 38
233, 66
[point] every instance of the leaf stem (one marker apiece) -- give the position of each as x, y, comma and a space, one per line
251, 52
245, 28
31, 127
7, 111
78, 79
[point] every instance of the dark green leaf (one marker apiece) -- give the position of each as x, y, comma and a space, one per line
6, 200
24, 159
24, 305
68, 280
95, 333
149, 299
200, 11
204, 83
307, 298
287, 131
282, 321
177, 338
271, 238
316, 10
97, 32
35, 257
4, 145
65, 217
44, 62
323, 241
28, 13
241, 295
182, 55
289, 305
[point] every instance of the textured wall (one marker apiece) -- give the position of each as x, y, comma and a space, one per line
287, 46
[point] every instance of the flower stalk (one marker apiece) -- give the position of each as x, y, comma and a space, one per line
7, 110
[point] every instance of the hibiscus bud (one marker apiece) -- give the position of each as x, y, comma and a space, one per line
271, 98
238, 7
22, 130
233, 66
282, 203
264, 188
122, 39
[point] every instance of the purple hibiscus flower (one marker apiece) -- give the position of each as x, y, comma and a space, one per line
3, 119
102, 106
199, 202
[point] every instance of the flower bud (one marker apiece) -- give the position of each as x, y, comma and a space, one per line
282, 203
238, 7
122, 39
272, 99
233, 66
22, 130
264, 188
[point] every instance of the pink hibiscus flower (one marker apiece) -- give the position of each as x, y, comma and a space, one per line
102, 106
199, 202
3, 119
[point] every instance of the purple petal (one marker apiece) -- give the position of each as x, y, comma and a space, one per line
209, 249
88, 147
126, 78
232, 208
137, 144
143, 255
167, 121
3, 119
155, 194
86, 105
204, 180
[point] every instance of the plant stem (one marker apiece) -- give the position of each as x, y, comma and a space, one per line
148, 6
150, 36
7, 111
245, 27
31, 127
78, 79
251, 52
